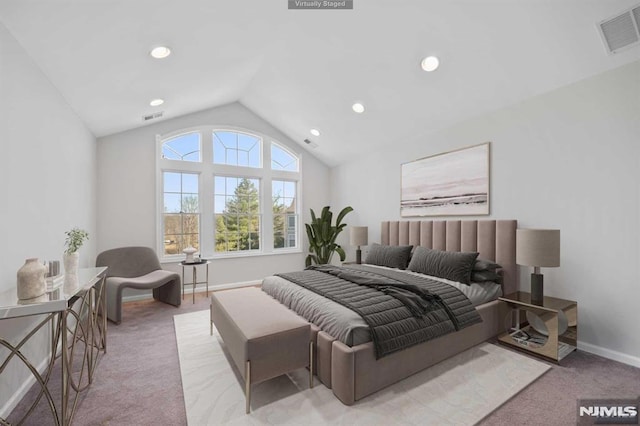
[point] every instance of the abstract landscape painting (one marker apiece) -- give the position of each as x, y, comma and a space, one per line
453, 183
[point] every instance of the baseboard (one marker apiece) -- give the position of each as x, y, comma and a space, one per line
610, 354
22, 390
199, 289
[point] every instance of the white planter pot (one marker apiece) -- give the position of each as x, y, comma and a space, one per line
71, 263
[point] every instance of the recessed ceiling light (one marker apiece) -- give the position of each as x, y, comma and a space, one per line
156, 102
315, 132
358, 107
160, 52
430, 63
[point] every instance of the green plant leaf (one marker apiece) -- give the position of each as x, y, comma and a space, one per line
342, 214
322, 235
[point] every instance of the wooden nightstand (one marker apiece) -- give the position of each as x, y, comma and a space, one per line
549, 330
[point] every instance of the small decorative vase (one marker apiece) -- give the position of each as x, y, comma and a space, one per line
31, 282
189, 252
71, 263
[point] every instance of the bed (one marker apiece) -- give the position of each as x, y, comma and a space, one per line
346, 360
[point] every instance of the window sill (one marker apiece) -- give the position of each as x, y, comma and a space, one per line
178, 259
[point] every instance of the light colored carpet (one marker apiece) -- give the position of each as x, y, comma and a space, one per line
459, 391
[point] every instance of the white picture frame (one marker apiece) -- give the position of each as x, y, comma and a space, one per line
454, 183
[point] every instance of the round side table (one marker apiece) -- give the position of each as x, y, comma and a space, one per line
195, 277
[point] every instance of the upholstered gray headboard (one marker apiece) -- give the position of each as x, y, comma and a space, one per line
493, 239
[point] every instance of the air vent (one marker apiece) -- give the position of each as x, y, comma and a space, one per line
310, 144
621, 31
152, 116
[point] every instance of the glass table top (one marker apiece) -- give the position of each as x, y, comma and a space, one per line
54, 300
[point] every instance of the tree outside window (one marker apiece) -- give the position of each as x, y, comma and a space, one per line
238, 224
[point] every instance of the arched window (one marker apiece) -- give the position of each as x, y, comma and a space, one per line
184, 147
236, 149
282, 159
243, 200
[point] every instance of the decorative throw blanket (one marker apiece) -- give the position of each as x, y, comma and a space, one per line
401, 310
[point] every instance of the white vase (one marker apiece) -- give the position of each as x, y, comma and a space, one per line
31, 282
71, 263
189, 251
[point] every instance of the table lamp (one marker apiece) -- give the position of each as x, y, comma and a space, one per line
359, 237
538, 248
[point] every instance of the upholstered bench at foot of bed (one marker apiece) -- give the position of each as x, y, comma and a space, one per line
263, 337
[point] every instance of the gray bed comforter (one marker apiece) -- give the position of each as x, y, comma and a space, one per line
401, 310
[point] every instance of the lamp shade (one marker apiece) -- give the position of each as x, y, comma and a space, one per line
538, 247
359, 235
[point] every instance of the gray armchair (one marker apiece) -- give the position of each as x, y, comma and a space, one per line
136, 267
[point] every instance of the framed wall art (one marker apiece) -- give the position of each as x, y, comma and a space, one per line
448, 184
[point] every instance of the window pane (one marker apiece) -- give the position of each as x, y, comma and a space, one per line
189, 183
190, 223
172, 182
182, 148
218, 204
172, 224
172, 244
285, 224
289, 189
232, 184
231, 157
236, 149
181, 218
278, 240
246, 142
237, 213
172, 203
254, 223
254, 157
282, 160
243, 158
255, 241
218, 150
191, 240
220, 185
189, 203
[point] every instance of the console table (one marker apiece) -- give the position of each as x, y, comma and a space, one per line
75, 311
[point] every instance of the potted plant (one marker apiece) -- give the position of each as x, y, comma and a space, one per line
322, 236
75, 238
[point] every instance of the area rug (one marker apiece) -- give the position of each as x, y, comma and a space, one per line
461, 390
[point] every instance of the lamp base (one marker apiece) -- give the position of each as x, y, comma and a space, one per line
358, 256
537, 289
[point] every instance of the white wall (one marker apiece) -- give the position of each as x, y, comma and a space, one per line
47, 185
568, 159
126, 184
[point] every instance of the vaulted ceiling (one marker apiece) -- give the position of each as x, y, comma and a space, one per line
303, 69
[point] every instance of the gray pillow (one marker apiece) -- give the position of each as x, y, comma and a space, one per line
485, 265
454, 266
479, 276
389, 256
